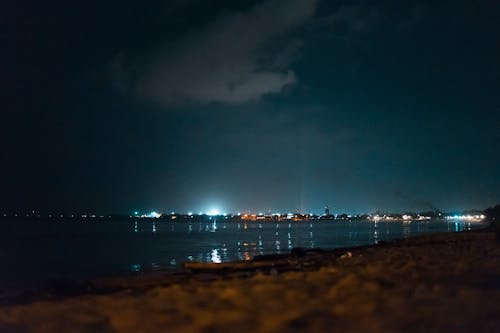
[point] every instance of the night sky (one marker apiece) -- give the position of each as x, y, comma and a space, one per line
116, 106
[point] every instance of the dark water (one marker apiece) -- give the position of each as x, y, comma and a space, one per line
34, 251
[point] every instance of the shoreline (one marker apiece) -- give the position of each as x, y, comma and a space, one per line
298, 259
433, 282
57, 288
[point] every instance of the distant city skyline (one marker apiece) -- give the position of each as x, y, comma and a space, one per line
216, 212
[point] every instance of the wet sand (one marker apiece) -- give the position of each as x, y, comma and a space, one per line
432, 283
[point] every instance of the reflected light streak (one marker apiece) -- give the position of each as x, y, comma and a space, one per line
215, 257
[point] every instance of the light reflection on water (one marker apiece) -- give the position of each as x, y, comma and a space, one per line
40, 250
215, 257
244, 240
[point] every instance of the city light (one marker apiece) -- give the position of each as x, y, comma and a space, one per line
154, 215
470, 218
213, 212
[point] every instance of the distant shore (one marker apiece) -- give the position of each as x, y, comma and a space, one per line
447, 282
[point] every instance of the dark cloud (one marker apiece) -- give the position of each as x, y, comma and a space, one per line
221, 63
410, 200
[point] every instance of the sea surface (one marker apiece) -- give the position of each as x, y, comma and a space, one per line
34, 252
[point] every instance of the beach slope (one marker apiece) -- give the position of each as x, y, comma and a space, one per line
432, 283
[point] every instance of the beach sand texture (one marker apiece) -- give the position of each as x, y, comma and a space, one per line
432, 283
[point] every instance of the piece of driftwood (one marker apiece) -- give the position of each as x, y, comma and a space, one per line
234, 266
298, 256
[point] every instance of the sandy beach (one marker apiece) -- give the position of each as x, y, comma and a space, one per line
432, 283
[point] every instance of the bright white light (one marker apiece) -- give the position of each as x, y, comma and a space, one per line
154, 214
213, 212
215, 257
190, 213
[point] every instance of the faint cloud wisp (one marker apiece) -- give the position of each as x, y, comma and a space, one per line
220, 63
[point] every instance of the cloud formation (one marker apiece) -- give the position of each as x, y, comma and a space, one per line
222, 62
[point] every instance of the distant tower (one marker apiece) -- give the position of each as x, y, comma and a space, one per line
327, 211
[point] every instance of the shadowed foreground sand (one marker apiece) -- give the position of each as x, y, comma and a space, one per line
437, 283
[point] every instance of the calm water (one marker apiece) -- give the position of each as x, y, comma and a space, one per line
35, 251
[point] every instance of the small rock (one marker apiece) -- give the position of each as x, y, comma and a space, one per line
346, 255
299, 251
